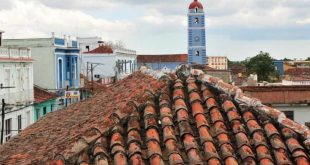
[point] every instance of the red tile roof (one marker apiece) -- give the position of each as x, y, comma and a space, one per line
195, 4
173, 121
162, 58
279, 94
41, 95
298, 71
103, 49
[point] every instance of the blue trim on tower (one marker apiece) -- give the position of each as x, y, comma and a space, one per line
197, 52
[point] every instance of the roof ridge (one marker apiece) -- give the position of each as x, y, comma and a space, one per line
257, 105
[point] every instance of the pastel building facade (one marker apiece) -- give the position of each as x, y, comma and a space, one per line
56, 62
218, 62
44, 102
197, 53
16, 88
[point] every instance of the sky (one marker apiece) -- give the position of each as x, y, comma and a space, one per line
235, 28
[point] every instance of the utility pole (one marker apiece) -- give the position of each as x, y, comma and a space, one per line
66, 96
92, 77
2, 120
91, 69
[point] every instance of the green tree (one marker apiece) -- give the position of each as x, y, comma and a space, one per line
308, 59
262, 65
287, 59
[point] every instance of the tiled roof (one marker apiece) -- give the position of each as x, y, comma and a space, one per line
41, 95
162, 58
103, 49
179, 120
298, 71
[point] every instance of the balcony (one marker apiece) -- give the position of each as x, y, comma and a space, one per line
15, 53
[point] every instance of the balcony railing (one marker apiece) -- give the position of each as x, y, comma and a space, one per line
8, 52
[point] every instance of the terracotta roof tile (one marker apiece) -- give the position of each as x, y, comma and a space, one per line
102, 49
169, 124
41, 95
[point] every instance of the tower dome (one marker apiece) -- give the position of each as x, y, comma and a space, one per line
195, 4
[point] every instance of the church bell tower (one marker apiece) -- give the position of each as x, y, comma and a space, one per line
196, 34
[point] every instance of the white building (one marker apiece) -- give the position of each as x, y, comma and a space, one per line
87, 44
16, 88
218, 62
109, 63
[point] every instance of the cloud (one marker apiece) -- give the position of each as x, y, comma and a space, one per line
33, 19
155, 17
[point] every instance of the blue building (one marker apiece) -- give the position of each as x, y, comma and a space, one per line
196, 34
279, 64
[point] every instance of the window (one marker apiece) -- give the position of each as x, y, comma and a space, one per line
197, 53
196, 9
19, 123
196, 21
28, 117
52, 107
38, 113
44, 110
76, 68
68, 68
8, 127
60, 73
289, 114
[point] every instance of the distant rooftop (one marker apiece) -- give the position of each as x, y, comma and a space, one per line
162, 58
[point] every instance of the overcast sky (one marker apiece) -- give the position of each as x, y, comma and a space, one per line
235, 28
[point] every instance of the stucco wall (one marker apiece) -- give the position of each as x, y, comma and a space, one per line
39, 108
301, 113
44, 67
108, 61
27, 119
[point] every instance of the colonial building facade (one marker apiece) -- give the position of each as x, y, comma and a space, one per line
196, 34
218, 62
56, 64
16, 89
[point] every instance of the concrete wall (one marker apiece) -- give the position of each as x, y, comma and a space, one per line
301, 112
107, 69
27, 119
44, 67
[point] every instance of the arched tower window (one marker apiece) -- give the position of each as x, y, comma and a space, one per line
197, 53
196, 9
196, 21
